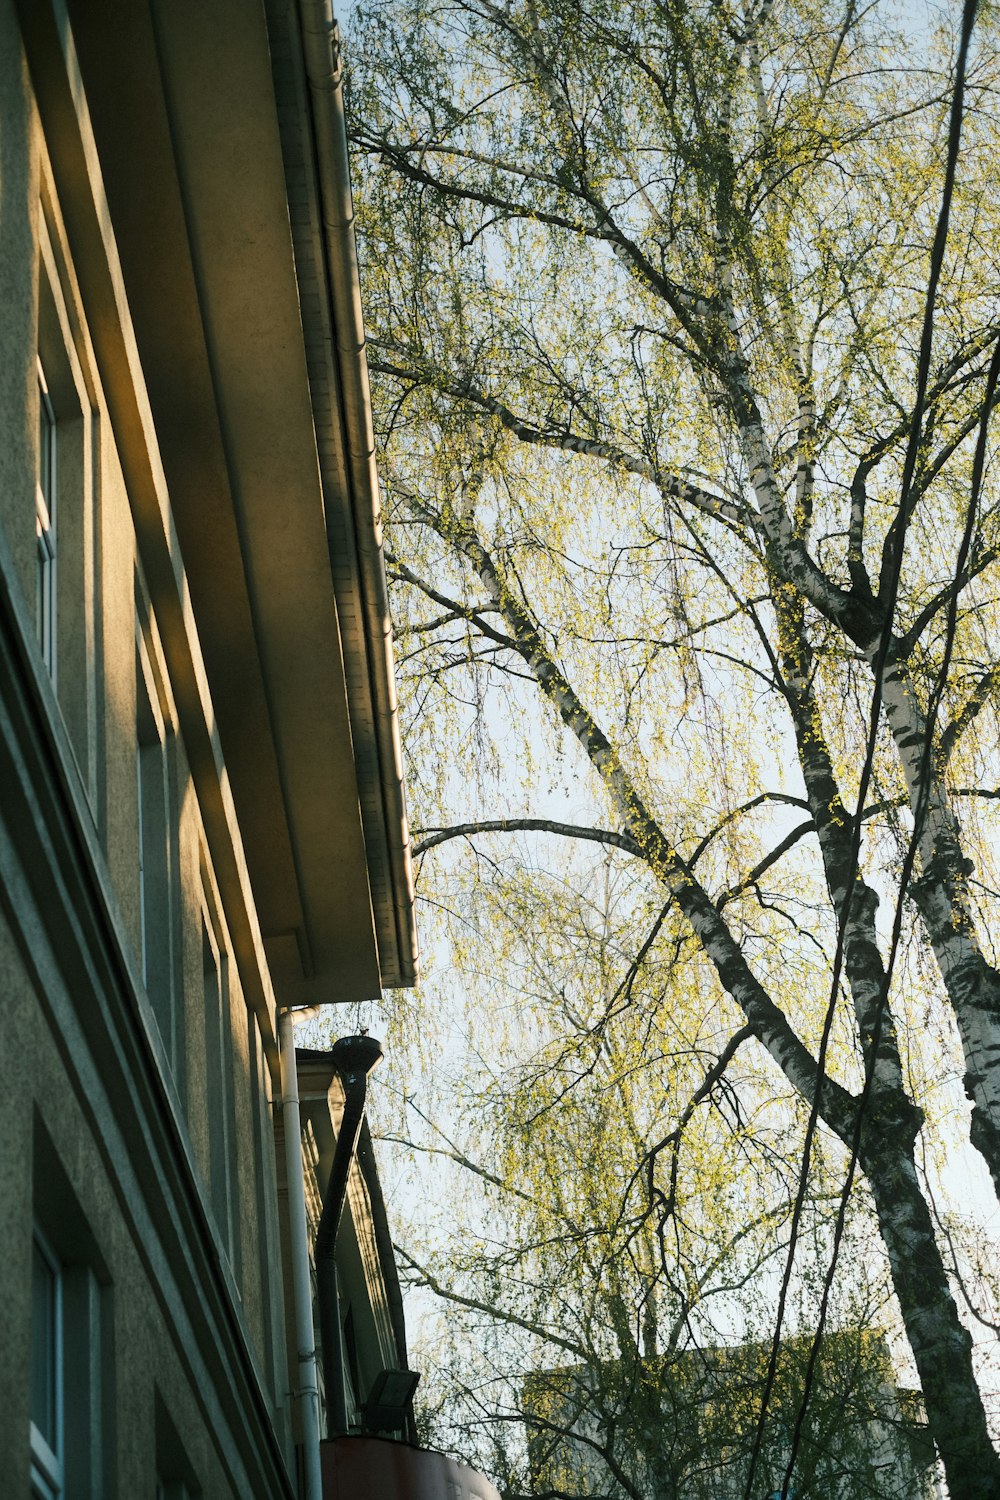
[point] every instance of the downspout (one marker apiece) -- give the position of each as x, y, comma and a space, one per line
307, 1389
321, 51
387, 1261
354, 1057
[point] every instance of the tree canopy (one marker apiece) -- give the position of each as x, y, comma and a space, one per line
685, 340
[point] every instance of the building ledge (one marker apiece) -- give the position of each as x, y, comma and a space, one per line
371, 1468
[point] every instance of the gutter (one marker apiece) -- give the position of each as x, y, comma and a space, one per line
321, 51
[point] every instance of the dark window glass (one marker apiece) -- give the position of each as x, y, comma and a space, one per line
44, 1340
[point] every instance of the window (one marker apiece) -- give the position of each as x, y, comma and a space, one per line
157, 838
152, 807
175, 1477
172, 1489
355, 1395
221, 1091
67, 1376
45, 527
71, 1341
151, 811
266, 1193
46, 1372
66, 484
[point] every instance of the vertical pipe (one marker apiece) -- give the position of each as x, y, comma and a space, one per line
325, 1254
354, 1057
307, 1390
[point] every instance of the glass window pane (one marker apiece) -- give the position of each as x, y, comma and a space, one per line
44, 1354
45, 527
46, 447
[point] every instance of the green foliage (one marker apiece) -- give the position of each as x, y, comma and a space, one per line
646, 293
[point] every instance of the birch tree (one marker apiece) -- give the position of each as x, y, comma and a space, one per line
685, 345
592, 1341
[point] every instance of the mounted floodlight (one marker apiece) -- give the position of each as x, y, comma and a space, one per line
389, 1400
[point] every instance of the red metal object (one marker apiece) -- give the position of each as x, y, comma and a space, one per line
370, 1468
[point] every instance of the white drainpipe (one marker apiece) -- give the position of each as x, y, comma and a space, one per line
307, 1389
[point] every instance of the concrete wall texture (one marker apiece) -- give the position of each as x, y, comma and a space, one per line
135, 1113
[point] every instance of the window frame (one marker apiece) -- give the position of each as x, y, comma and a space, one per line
175, 1477
224, 1154
46, 534
153, 825
172, 1489
158, 840
64, 556
47, 1476
81, 1342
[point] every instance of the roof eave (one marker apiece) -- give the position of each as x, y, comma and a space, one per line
363, 595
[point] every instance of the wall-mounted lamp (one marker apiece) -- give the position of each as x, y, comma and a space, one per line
389, 1400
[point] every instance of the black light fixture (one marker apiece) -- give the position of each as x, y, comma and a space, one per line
389, 1400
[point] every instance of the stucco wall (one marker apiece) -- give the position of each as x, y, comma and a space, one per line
107, 1136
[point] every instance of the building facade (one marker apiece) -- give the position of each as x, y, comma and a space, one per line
369, 1296
201, 804
687, 1424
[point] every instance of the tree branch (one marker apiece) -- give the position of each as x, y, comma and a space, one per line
429, 838
567, 441
769, 1022
987, 686
475, 1304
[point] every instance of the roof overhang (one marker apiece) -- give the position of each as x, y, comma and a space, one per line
226, 177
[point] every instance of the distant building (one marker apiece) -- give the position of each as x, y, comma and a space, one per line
686, 1425
201, 806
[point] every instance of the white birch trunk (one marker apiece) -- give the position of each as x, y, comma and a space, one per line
941, 896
